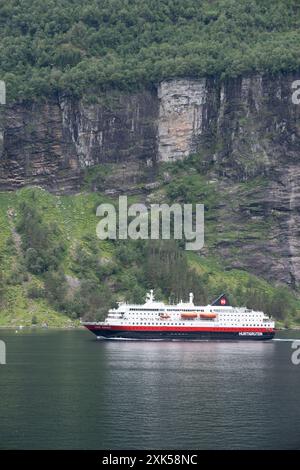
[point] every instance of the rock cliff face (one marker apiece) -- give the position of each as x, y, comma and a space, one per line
245, 125
246, 132
181, 113
50, 143
35, 149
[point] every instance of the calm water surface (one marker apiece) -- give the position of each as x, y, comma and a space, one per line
66, 390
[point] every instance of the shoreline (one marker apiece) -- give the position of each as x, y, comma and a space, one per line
17, 327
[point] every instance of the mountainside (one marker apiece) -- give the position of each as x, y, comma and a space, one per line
244, 134
165, 101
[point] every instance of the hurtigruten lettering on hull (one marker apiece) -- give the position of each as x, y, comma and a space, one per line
184, 321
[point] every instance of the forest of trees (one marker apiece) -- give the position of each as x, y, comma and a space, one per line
52, 46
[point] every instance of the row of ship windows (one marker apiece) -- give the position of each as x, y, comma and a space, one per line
184, 310
145, 309
159, 310
225, 315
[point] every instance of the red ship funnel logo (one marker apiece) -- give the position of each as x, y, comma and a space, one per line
221, 300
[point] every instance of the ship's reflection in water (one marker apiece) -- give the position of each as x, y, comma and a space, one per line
67, 390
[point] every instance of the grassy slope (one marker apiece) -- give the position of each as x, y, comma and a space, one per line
77, 219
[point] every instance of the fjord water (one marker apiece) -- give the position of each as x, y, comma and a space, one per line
66, 390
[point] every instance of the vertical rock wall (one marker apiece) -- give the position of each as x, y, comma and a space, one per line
181, 105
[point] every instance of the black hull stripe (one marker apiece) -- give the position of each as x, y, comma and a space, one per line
165, 335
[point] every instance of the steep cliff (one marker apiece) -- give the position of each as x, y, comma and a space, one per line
245, 132
246, 125
50, 143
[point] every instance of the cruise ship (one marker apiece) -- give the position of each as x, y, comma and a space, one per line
183, 321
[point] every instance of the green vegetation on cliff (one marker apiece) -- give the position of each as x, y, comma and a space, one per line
50, 46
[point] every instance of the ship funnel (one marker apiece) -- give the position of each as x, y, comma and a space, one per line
191, 298
221, 301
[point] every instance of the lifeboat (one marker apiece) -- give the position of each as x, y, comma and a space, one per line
189, 315
207, 316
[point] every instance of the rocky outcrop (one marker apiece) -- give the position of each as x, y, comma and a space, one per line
121, 128
244, 125
50, 143
257, 226
180, 117
35, 149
